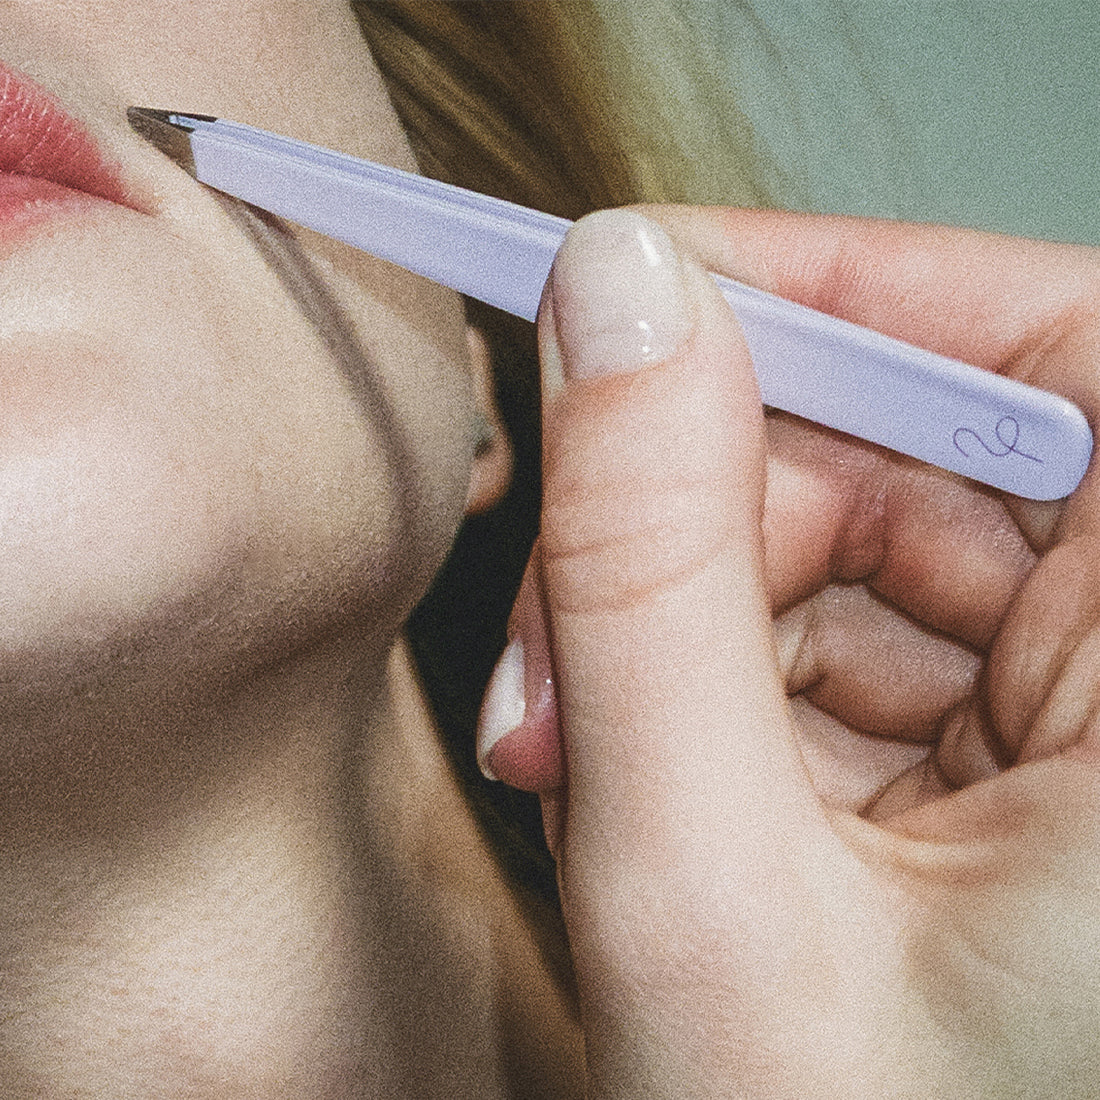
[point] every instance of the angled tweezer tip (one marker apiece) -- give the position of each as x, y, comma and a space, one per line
167, 131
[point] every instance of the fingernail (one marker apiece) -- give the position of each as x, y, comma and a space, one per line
618, 295
504, 705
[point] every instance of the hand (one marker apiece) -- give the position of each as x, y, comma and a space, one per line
825, 802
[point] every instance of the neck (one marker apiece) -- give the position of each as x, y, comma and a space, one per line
257, 907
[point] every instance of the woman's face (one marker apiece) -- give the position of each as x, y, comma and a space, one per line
216, 437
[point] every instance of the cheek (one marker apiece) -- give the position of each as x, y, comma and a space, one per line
180, 455
127, 487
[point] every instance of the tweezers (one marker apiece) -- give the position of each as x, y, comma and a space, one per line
983, 426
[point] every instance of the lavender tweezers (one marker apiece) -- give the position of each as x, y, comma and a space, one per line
986, 427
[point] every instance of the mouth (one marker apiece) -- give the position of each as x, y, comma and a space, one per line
47, 158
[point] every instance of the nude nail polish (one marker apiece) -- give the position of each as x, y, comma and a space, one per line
618, 295
504, 705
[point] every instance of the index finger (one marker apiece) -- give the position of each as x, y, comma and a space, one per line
997, 302
1022, 308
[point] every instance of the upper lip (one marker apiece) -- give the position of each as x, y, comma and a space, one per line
38, 138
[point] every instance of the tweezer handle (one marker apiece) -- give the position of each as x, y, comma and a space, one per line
495, 251
986, 427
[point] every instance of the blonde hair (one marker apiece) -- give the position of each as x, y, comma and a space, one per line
565, 105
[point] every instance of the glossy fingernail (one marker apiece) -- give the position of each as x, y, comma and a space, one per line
618, 295
504, 705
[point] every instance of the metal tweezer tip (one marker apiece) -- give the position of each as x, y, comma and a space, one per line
167, 131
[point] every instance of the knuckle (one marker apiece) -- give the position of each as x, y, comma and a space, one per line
612, 550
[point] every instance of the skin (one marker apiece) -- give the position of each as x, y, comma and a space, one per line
824, 803
232, 861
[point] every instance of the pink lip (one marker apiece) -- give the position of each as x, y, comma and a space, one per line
46, 157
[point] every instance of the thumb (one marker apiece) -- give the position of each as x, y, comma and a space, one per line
671, 703
693, 859
691, 850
